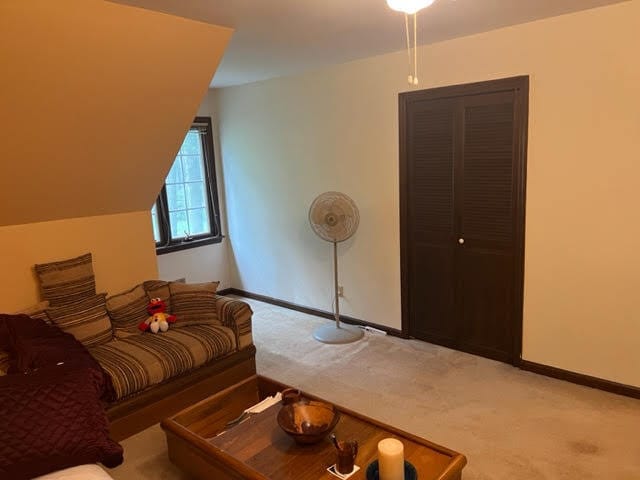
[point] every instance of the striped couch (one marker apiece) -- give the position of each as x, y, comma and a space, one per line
208, 326
138, 362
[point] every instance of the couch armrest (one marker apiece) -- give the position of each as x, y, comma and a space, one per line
236, 315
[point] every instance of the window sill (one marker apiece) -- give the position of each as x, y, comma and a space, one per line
188, 245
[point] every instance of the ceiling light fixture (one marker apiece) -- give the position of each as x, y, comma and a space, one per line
411, 7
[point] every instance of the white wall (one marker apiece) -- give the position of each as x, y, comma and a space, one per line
286, 140
210, 262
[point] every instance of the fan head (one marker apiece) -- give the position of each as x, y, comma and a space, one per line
334, 216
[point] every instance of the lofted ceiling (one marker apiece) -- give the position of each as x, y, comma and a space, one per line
96, 98
279, 37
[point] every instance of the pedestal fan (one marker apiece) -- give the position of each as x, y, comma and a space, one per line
334, 217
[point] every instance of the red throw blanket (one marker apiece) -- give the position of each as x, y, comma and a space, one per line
35, 345
51, 416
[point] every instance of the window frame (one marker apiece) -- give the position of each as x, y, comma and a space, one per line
166, 244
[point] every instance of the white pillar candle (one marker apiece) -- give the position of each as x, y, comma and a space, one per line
391, 459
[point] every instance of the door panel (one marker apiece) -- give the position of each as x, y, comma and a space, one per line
487, 209
485, 265
433, 296
486, 325
430, 219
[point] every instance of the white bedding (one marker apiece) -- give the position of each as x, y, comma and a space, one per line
83, 472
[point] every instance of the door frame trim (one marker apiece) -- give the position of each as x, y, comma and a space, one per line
520, 86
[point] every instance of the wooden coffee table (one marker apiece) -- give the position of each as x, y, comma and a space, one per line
258, 449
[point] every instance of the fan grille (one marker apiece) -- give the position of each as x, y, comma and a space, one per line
334, 216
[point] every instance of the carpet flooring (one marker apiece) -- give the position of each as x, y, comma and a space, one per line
510, 424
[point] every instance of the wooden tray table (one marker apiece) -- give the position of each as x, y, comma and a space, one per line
257, 449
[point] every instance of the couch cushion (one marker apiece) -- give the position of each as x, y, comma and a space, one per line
127, 310
87, 320
135, 363
67, 281
194, 303
158, 289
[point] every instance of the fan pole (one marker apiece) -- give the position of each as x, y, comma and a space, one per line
336, 333
335, 282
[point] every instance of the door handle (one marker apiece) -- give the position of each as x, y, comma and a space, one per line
461, 241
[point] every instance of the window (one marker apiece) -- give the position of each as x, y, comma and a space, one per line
186, 213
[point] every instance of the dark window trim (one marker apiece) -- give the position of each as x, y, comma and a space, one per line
166, 245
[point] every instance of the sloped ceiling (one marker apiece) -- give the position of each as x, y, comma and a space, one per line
95, 100
274, 38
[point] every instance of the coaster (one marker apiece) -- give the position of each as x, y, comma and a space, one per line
332, 470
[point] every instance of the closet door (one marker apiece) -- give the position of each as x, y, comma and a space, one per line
462, 172
486, 215
430, 199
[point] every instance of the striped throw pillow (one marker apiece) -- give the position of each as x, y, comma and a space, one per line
67, 281
159, 289
127, 310
194, 303
87, 320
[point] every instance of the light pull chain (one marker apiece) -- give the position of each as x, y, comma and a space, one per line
406, 29
415, 48
413, 59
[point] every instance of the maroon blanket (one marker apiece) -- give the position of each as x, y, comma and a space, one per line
51, 416
33, 345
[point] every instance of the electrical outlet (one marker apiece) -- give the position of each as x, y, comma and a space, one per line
340, 291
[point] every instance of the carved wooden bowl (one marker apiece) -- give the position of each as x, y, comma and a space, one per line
308, 422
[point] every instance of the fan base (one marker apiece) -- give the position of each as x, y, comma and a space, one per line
333, 334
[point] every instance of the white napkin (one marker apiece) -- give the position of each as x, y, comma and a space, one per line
264, 404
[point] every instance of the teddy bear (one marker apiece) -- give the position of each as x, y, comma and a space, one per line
159, 320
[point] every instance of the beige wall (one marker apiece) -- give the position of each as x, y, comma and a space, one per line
210, 262
122, 247
286, 140
96, 98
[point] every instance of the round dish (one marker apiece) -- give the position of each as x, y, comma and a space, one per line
307, 422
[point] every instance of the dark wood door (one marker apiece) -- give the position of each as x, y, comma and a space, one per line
462, 215
430, 203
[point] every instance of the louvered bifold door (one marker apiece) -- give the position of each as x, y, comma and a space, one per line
462, 190
485, 224
430, 219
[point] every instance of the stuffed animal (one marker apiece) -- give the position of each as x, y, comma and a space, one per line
159, 320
